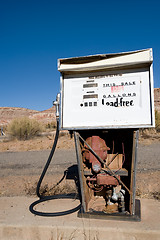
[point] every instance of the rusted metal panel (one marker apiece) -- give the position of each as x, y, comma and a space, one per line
99, 146
106, 180
119, 172
86, 192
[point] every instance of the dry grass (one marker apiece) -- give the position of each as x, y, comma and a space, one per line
47, 190
51, 125
148, 136
157, 120
149, 195
156, 195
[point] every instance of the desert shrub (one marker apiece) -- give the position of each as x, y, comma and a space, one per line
156, 195
51, 125
157, 121
24, 128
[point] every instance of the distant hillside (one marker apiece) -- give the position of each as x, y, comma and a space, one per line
157, 99
9, 113
46, 116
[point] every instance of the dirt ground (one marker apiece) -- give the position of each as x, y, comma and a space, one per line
21, 163
38, 143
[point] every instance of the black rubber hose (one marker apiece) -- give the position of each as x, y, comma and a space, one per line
46, 198
48, 162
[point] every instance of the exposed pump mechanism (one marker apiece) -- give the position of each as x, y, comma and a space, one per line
99, 178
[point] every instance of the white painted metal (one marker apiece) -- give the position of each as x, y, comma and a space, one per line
99, 62
112, 98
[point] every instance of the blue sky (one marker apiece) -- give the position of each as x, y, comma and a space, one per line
34, 34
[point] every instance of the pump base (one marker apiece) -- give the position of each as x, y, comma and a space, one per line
114, 216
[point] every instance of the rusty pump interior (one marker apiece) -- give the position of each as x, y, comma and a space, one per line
107, 163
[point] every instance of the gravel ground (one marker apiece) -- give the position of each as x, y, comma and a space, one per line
148, 157
20, 171
31, 163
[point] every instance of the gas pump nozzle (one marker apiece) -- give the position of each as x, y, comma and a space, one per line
56, 104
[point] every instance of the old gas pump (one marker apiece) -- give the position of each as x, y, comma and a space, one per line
105, 99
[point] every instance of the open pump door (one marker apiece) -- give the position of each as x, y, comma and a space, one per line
105, 99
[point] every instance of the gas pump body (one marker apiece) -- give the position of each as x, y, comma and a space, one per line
105, 99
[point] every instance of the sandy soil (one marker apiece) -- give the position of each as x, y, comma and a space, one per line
21, 163
38, 143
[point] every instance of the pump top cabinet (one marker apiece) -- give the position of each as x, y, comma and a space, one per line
105, 99
107, 91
